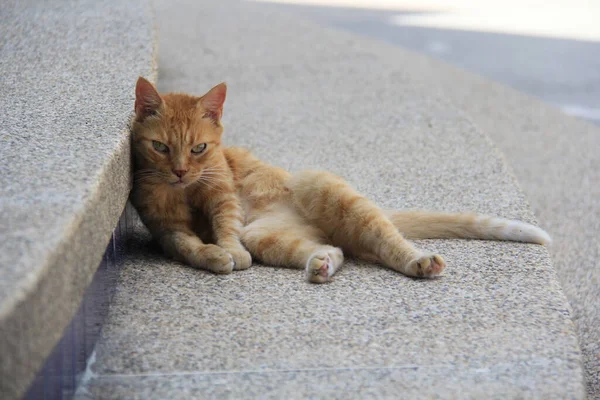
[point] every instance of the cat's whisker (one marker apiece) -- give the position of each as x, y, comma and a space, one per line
146, 170
214, 174
223, 173
214, 167
211, 183
149, 172
148, 178
215, 178
141, 171
144, 180
144, 175
207, 184
206, 171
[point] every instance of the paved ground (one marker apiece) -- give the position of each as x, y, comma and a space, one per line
496, 325
554, 158
563, 71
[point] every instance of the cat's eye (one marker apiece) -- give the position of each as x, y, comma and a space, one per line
160, 147
199, 148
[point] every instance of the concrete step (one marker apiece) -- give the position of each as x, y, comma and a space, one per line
555, 161
497, 325
67, 74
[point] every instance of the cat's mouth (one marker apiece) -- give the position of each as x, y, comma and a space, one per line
183, 182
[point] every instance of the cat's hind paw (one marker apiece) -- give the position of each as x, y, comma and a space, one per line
426, 266
322, 265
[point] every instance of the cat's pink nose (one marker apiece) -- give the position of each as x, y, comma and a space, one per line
180, 172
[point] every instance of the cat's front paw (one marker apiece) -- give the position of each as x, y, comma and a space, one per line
426, 266
216, 259
241, 258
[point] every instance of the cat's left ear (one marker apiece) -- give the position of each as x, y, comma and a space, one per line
147, 99
213, 101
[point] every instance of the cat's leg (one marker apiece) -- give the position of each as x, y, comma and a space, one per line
226, 216
170, 222
281, 239
186, 247
355, 223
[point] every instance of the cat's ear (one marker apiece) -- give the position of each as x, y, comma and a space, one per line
213, 101
147, 99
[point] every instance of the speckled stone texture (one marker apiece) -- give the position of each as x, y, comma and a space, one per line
555, 159
496, 325
68, 72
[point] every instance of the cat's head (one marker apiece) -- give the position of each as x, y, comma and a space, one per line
176, 137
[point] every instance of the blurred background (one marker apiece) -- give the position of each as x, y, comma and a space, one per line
549, 49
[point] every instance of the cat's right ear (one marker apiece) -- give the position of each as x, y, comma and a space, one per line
147, 100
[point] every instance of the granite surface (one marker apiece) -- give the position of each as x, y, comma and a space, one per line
497, 322
67, 71
403, 382
555, 160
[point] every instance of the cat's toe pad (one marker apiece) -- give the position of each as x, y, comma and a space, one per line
319, 268
427, 266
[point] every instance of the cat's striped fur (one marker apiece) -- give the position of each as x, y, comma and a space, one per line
308, 220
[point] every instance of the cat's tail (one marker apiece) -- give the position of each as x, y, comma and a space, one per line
436, 225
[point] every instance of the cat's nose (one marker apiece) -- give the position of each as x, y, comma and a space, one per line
180, 172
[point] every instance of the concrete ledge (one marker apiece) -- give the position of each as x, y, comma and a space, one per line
554, 157
496, 325
67, 93
555, 160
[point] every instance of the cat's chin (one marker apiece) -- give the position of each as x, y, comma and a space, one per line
178, 185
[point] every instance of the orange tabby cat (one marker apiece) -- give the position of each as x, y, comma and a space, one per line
189, 191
